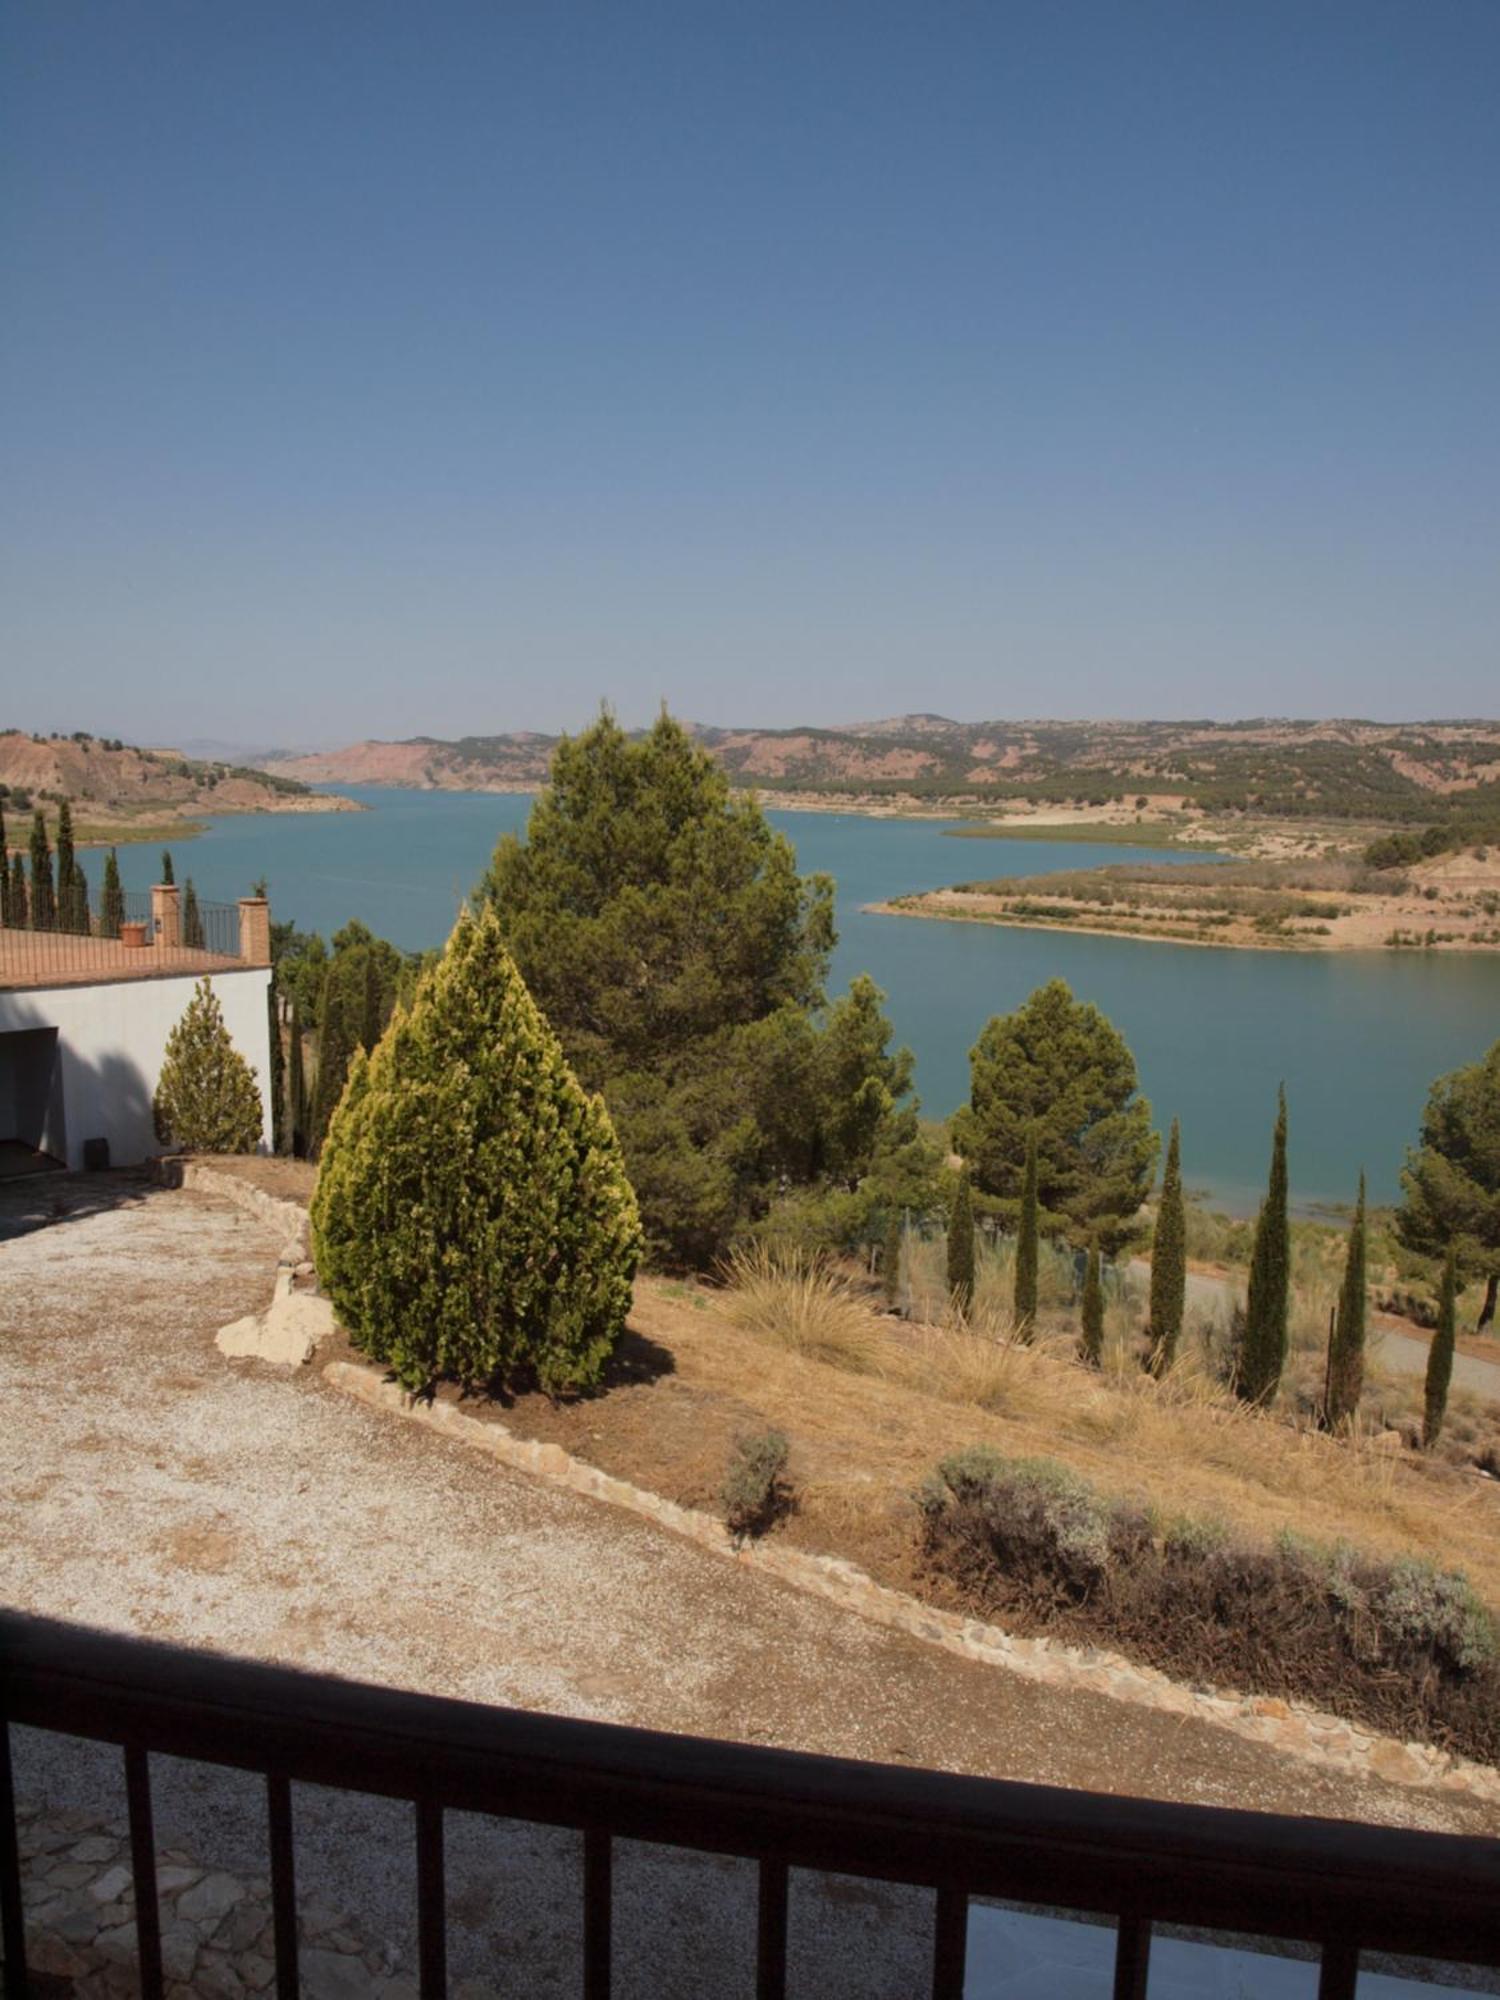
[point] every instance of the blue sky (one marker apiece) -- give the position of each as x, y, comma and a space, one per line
383, 369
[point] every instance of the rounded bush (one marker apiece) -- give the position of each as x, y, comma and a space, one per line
472, 1218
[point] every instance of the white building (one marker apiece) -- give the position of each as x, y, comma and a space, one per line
84, 1024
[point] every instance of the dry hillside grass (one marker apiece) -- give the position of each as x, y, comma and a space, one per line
692, 1380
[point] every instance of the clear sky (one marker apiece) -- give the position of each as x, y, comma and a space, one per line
373, 368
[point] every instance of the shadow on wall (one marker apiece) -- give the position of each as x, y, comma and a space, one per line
57, 1097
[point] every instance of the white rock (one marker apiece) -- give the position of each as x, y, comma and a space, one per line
286, 1334
111, 1885
206, 1905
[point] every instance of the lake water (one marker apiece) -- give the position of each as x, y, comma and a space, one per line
1357, 1037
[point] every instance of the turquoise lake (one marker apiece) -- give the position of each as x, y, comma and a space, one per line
1357, 1037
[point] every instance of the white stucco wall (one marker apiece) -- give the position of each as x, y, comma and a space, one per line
111, 1041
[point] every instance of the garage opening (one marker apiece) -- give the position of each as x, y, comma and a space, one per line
32, 1135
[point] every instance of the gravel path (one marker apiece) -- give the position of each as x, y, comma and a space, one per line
153, 1487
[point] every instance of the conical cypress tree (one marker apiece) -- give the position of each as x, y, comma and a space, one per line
1440, 1354
472, 1218
1263, 1352
206, 1098
1346, 1343
296, 1089
1168, 1262
168, 878
890, 1260
20, 908
276, 1089
4, 871
961, 1245
43, 895
67, 892
192, 919
1091, 1342
111, 899
341, 1020
1026, 1247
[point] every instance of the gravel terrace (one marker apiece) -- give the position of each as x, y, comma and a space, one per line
153, 1487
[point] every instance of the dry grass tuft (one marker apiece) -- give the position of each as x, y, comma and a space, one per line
804, 1303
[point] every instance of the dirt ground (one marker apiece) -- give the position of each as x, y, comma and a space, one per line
153, 1487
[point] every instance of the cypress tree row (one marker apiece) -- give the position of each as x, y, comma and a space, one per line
1346, 1343
472, 1218
192, 920
296, 1089
65, 866
961, 1245
20, 913
1026, 1247
43, 896
111, 899
4, 871
1263, 1353
1440, 1354
1091, 1342
1168, 1262
168, 878
890, 1260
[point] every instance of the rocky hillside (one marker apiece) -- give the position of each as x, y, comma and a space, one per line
1389, 772
110, 782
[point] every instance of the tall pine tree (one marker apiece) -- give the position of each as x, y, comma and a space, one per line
961, 1245
1263, 1350
1168, 1262
1346, 1342
72, 883
1440, 1354
1091, 1342
43, 896
111, 899
167, 876
1026, 1246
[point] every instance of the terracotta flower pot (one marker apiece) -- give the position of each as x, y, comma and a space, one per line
133, 935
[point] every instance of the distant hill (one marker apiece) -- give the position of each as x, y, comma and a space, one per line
1398, 772
111, 783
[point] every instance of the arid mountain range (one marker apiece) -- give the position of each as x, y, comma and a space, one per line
1396, 771
110, 782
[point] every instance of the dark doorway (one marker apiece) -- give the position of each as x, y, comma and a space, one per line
32, 1135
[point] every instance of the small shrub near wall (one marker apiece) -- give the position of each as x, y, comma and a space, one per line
1400, 1645
754, 1493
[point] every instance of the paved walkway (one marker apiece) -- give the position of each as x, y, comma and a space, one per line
154, 1487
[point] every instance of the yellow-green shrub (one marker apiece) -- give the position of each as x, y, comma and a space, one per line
472, 1218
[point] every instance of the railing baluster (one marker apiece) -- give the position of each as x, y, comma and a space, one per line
432, 1911
283, 1883
950, 1944
770, 1941
1132, 1958
1338, 1974
597, 1914
143, 1870
12, 1910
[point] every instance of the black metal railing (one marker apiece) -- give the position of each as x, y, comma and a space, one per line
131, 943
1339, 1886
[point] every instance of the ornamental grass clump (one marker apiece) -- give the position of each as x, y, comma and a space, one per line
472, 1219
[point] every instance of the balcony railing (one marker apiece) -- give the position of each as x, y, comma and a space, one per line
202, 938
1339, 1886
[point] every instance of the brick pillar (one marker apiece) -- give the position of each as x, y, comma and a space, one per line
255, 930
166, 915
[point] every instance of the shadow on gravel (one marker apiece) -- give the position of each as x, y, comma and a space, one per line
67, 1197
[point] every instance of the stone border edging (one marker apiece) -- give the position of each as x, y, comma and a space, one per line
288, 1216
1290, 1727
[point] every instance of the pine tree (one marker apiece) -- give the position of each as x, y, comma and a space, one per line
43, 896
890, 1259
206, 1098
961, 1245
111, 899
1263, 1349
4, 872
192, 920
67, 893
1092, 1340
1346, 1342
276, 1089
472, 1218
20, 912
168, 878
1440, 1354
296, 1089
1168, 1262
342, 1016
1026, 1246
